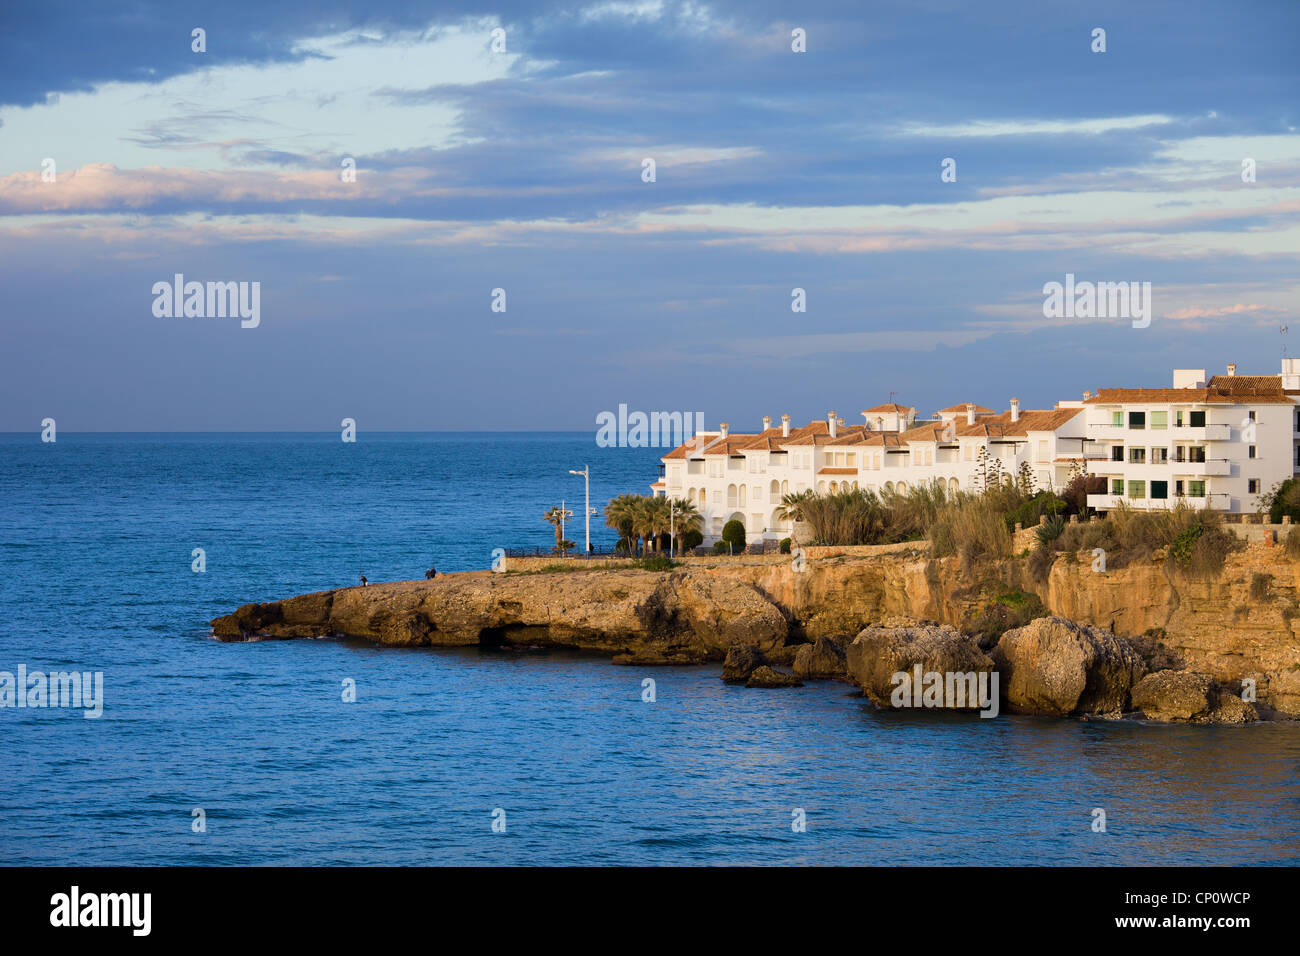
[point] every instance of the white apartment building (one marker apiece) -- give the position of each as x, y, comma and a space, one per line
1215, 443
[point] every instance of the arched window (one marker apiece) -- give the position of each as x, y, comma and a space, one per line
743, 496
774, 489
785, 488
731, 496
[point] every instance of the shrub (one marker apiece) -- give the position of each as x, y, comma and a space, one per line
721, 547
1282, 501
784, 546
733, 533
1028, 512
1005, 611
655, 562
1049, 529
973, 530
690, 539
1041, 560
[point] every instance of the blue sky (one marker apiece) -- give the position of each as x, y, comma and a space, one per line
521, 170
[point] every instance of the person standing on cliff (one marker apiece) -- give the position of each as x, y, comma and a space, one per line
364, 582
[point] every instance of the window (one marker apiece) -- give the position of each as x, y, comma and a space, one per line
1137, 489
1117, 486
1137, 456
970, 449
1250, 451
743, 496
1196, 453
1251, 415
1117, 419
1137, 419
1197, 419
1252, 486
1117, 453
1196, 489
1159, 420
1178, 419
1042, 449
929, 456
1159, 456
1159, 489
1178, 489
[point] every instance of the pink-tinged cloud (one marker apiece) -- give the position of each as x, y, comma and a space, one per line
102, 187
1196, 313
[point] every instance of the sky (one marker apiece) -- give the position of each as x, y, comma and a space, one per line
502, 146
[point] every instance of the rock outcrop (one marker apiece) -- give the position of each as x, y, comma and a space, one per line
741, 661
765, 676
823, 659
1172, 696
1057, 667
1243, 623
877, 654
678, 617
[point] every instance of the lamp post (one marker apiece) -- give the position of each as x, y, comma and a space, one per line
672, 526
586, 486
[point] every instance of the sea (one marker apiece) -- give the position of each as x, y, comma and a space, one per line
116, 550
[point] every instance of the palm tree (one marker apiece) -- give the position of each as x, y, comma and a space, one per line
792, 507
686, 517
657, 518
556, 516
621, 516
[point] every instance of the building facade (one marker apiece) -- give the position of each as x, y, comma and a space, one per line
1215, 443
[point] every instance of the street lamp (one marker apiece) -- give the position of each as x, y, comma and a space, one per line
586, 485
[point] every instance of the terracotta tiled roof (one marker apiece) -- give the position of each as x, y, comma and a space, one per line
838, 471
1031, 420
890, 407
848, 435
979, 409
930, 432
1245, 383
1189, 396
878, 439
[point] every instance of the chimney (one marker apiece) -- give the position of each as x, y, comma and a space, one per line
767, 422
970, 413
785, 426
1087, 395
723, 428
1015, 409
831, 419
866, 418
1232, 368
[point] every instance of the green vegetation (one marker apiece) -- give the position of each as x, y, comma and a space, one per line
645, 523
784, 546
733, 533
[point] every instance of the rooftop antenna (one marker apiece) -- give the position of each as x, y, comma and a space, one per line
891, 397
1284, 342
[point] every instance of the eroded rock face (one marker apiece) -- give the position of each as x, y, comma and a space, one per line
673, 618
1229, 708
1057, 667
823, 659
878, 653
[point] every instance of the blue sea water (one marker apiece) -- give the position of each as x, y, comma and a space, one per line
96, 535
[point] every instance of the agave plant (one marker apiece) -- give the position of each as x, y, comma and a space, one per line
1049, 529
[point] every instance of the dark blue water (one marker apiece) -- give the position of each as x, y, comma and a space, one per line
96, 534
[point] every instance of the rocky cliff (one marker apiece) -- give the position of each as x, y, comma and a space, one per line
1235, 626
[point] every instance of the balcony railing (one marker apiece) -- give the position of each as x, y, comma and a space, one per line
1109, 502
1147, 436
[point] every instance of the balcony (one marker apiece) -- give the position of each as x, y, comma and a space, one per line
1110, 502
1200, 433
1154, 436
1213, 466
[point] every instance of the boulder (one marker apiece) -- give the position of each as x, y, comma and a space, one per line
878, 653
765, 676
824, 658
1057, 667
741, 661
1170, 695
1229, 708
